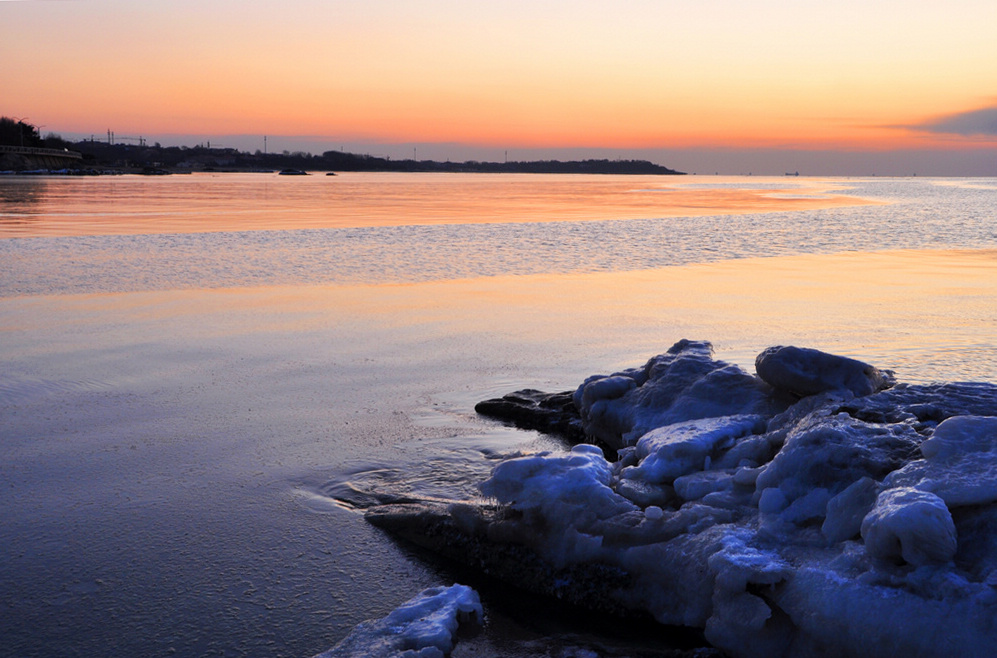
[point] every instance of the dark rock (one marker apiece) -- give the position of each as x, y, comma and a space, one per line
472, 535
804, 371
530, 409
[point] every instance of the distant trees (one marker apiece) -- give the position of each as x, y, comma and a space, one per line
17, 132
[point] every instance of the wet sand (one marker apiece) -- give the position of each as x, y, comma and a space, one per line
167, 457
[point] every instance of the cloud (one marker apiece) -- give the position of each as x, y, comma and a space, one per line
975, 123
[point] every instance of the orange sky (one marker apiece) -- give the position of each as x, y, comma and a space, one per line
634, 75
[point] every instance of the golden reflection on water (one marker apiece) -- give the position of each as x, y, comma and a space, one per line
253, 202
927, 314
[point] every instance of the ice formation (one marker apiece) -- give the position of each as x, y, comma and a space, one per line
422, 627
815, 509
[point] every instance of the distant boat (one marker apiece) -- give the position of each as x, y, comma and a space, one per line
331, 173
293, 172
793, 174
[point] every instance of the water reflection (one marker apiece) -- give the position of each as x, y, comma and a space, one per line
20, 191
200, 203
20, 204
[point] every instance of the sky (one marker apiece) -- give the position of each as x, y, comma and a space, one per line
769, 86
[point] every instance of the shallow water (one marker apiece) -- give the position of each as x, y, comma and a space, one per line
180, 411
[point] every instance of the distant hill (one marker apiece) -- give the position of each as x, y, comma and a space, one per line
205, 158
100, 156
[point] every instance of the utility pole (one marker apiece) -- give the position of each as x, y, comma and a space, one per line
264, 145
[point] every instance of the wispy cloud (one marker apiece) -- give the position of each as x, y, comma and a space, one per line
976, 123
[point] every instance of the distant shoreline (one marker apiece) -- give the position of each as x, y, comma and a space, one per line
100, 158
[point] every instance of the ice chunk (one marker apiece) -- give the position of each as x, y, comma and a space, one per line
833, 452
846, 511
740, 620
422, 627
570, 487
925, 404
960, 464
645, 493
697, 485
969, 479
654, 513
675, 450
910, 524
961, 434
805, 371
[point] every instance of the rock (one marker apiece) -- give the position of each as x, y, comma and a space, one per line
530, 409
804, 371
493, 540
783, 516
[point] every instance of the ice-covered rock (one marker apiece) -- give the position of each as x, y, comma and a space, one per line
567, 495
804, 371
925, 405
422, 627
685, 383
741, 618
910, 524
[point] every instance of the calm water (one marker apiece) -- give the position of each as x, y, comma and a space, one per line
195, 366
398, 229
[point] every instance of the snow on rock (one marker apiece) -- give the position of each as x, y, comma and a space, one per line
804, 371
422, 627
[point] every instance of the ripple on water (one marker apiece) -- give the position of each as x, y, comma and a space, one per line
440, 469
14, 391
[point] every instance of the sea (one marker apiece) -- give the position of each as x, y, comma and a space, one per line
202, 374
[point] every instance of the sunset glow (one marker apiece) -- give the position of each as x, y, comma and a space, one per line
774, 74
